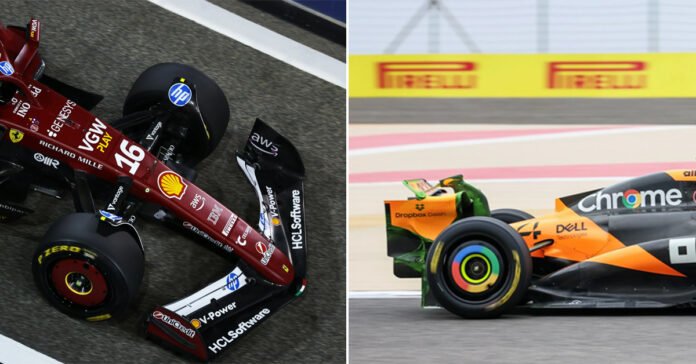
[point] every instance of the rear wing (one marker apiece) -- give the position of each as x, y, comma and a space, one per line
211, 320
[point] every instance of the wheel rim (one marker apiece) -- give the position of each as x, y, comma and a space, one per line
475, 268
79, 281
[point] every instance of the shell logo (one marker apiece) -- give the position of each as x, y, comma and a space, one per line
196, 323
171, 185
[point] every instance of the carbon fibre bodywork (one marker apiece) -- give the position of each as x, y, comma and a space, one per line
632, 244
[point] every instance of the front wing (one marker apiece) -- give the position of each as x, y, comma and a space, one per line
209, 321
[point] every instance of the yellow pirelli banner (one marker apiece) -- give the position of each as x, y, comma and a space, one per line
524, 75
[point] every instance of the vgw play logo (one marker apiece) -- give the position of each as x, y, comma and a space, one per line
630, 199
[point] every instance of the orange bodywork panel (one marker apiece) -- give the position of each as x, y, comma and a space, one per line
575, 237
426, 218
578, 238
636, 258
684, 175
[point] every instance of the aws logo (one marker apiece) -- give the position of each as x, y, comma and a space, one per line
630, 199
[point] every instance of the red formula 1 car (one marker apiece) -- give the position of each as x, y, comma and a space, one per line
90, 263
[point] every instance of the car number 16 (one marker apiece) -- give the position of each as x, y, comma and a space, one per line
132, 156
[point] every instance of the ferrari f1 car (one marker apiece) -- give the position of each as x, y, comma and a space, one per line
90, 263
630, 245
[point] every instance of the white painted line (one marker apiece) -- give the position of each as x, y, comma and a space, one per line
12, 352
253, 35
503, 181
383, 294
522, 138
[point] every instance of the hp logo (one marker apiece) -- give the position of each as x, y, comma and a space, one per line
180, 94
6, 68
232, 282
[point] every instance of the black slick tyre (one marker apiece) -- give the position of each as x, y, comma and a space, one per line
510, 216
88, 269
478, 267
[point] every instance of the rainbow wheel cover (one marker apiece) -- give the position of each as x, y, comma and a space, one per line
483, 258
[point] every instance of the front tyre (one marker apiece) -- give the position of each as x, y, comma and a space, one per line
88, 269
153, 87
478, 267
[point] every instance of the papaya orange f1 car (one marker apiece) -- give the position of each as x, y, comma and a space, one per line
90, 263
630, 245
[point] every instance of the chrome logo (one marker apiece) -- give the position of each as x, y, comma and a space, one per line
171, 185
475, 268
631, 199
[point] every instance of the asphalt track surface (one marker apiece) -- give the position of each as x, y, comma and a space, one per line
524, 111
103, 46
399, 331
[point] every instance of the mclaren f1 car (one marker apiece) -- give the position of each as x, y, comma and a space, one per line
630, 245
90, 263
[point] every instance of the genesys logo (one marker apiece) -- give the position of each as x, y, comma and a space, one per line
597, 75
211, 316
61, 119
174, 323
630, 199
426, 75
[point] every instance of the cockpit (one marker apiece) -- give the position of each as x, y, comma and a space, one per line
7, 91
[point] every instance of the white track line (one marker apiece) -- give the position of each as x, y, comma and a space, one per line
523, 138
383, 294
12, 352
502, 181
253, 35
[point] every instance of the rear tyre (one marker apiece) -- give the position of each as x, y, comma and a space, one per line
152, 88
478, 267
88, 268
510, 216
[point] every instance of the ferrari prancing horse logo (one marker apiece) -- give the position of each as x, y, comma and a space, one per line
16, 136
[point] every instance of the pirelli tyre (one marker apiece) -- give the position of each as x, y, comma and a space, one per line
87, 268
478, 267
511, 216
154, 87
